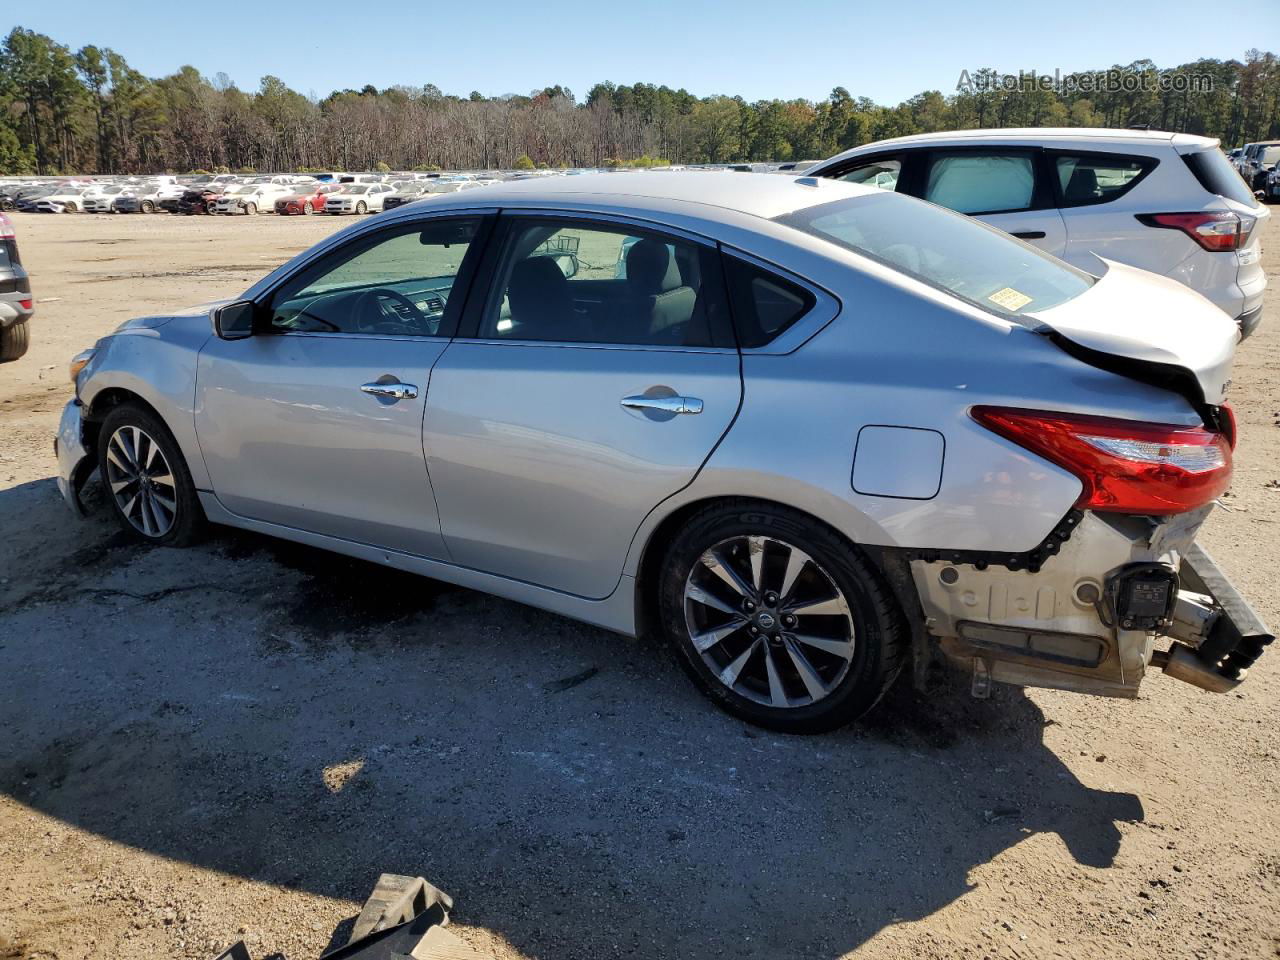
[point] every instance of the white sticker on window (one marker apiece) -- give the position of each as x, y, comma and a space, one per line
1010, 299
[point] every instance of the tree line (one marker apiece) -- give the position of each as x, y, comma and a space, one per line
88, 111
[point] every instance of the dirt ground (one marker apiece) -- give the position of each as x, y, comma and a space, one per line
235, 740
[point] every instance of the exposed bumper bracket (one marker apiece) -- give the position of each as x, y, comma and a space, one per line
1229, 643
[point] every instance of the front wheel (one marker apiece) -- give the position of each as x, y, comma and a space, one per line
148, 206
251, 209
778, 618
147, 479
362, 207
69, 208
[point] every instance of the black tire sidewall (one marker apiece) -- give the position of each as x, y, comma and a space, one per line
866, 679
14, 341
190, 521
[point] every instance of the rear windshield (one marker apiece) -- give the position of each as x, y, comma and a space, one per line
1217, 175
958, 254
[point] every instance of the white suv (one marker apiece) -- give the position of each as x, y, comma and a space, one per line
1166, 202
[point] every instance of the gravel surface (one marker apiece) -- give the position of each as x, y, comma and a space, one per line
235, 740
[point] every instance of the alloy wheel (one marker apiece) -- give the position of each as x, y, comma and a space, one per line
141, 481
768, 621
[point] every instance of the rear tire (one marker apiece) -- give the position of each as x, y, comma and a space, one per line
14, 341
146, 478
808, 640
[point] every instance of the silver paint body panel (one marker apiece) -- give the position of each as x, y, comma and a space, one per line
517, 470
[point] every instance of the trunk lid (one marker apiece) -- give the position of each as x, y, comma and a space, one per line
1150, 328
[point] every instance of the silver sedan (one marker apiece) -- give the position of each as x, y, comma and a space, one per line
810, 433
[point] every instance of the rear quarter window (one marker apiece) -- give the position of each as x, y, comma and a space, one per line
763, 303
1214, 172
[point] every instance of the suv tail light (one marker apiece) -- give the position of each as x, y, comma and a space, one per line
1125, 466
1219, 232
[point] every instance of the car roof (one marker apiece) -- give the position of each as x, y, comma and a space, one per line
1036, 135
758, 195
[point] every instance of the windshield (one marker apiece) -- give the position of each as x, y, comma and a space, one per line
1270, 157
247, 188
955, 253
356, 189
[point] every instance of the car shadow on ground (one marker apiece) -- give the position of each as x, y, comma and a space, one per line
306, 720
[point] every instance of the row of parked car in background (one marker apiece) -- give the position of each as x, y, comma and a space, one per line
287, 194
1259, 165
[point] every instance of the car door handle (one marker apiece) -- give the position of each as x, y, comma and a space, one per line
1030, 235
394, 390
663, 404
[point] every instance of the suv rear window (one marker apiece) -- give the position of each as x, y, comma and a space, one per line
1215, 173
957, 254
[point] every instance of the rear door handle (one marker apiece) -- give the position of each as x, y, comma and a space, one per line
394, 390
663, 404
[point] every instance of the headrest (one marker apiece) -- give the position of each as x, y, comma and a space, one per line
1082, 185
538, 288
651, 268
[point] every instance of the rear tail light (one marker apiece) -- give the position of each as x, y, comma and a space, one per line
25, 304
1125, 466
1219, 232
1227, 420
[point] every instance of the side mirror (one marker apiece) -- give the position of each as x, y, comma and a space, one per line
568, 264
234, 321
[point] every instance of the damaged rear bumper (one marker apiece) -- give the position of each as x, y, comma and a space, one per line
1088, 615
75, 462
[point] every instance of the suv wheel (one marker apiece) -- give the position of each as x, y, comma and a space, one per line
147, 479
14, 341
778, 618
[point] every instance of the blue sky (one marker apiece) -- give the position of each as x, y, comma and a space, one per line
757, 48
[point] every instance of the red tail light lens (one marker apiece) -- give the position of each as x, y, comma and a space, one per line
25, 304
1218, 232
1125, 466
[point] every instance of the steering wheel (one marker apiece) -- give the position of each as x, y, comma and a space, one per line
416, 323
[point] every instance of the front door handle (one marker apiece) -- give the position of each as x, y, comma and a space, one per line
663, 404
1030, 235
394, 390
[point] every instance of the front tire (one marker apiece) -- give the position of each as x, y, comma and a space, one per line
361, 208
146, 478
779, 619
69, 208
14, 341
148, 207
251, 209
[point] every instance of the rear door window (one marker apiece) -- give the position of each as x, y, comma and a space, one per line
976, 182
1085, 179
